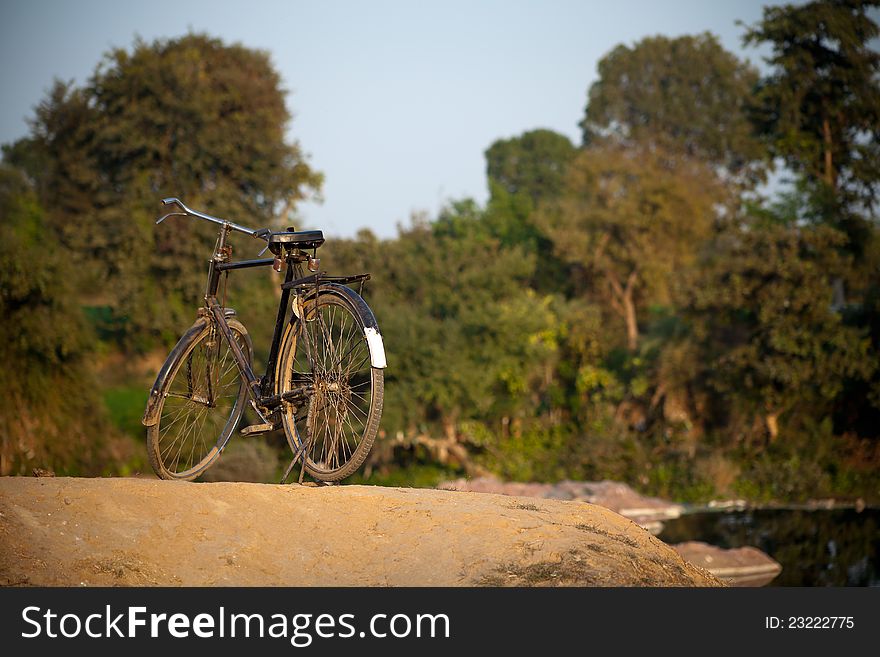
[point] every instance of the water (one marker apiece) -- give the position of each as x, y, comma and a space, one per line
838, 547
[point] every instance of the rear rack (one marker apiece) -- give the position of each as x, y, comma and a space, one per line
322, 277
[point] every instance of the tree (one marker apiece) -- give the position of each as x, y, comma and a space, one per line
522, 172
768, 336
50, 414
629, 221
475, 320
465, 336
533, 164
188, 117
687, 96
819, 107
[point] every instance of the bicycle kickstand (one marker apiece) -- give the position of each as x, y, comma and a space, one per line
298, 455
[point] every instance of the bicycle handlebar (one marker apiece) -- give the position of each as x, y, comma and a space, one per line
261, 233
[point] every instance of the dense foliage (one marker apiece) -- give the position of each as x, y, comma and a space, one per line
191, 118
50, 411
628, 308
687, 96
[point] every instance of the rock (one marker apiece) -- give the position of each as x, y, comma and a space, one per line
744, 566
493, 485
648, 512
728, 505
146, 532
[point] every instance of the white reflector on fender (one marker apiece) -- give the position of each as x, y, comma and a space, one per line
377, 347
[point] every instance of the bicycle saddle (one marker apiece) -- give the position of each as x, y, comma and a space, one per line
304, 239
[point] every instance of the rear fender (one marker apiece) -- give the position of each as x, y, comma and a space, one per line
371, 326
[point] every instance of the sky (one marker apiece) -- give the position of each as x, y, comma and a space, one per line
395, 102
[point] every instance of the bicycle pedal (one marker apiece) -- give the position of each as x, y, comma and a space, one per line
257, 428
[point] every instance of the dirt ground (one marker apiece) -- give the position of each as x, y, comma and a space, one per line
140, 532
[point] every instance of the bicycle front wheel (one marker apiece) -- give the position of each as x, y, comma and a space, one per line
202, 400
326, 358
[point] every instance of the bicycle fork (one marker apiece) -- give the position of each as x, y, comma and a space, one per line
245, 371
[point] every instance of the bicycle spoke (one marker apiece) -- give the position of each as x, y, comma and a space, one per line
201, 406
182, 423
354, 432
358, 367
331, 359
183, 435
364, 415
345, 355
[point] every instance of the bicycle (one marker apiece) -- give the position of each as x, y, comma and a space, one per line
324, 379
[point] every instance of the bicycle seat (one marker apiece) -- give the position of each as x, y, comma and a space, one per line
304, 239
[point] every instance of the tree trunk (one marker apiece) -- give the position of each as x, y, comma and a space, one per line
628, 309
772, 421
449, 428
516, 427
829, 160
632, 327
623, 302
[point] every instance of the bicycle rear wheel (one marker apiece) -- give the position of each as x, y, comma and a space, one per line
201, 404
325, 355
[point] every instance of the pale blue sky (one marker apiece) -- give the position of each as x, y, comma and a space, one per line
394, 101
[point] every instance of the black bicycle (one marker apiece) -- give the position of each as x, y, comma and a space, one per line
324, 376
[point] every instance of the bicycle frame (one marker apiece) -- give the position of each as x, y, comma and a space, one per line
260, 389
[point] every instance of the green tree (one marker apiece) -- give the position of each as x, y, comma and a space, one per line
50, 413
770, 339
628, 222
522, 172
466, 338
533, 164
686, 95
859, 406
819, 107
474, 317
188, 117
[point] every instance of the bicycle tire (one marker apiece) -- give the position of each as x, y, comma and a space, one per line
195, 419
340, 420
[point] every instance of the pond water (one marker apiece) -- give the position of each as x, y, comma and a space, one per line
839, 547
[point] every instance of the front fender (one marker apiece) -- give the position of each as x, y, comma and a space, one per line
151, 414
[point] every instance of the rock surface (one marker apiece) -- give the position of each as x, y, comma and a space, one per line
100, 532
648, 512
745, 566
